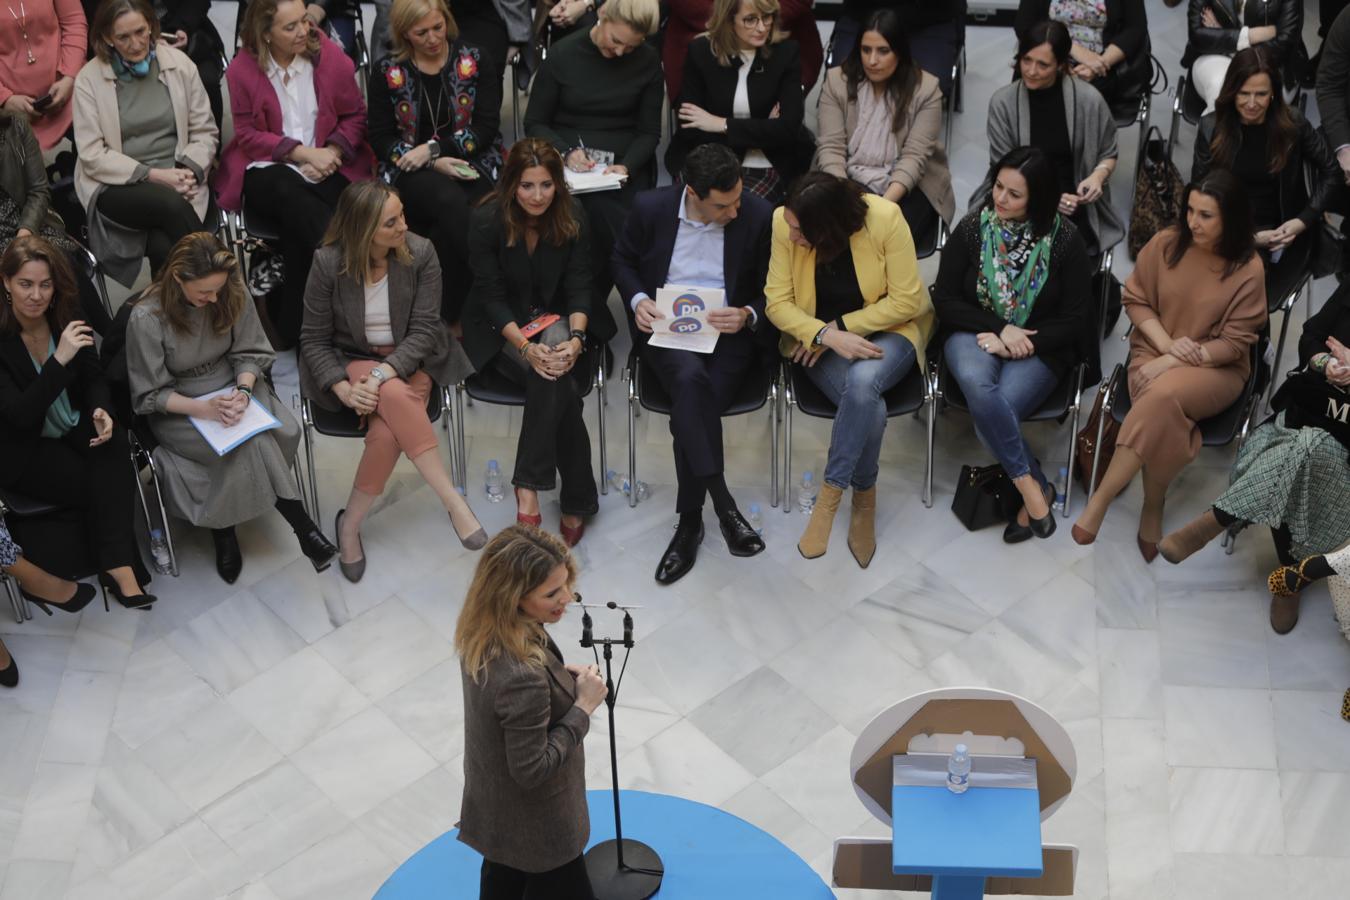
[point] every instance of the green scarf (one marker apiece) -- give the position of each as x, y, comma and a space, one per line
1014, 266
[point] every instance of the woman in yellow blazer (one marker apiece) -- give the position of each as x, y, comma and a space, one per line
844, 290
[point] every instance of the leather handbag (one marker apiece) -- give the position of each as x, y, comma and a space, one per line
1088, 451
1308, 400
985, 496
1157, 193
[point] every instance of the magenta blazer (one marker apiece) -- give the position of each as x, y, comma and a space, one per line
257, 120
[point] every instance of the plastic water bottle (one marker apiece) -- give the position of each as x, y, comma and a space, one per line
958, 770
619, 481
806, 493
1061, 486
492, 482
159, 551
757, 519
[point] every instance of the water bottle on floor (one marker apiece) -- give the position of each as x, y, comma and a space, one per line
806, 493
492, 482
619, 481
159, 551
1061, 488
756, 519
958, 770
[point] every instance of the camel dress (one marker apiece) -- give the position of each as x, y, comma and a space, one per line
1223, 315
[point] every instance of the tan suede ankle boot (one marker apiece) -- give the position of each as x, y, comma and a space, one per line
816, 538
862, 526
1191, 537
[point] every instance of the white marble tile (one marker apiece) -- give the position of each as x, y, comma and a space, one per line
816, 784
158, 689
363, 762
132, 808
662, 660
919, 615
234, 642
1226, 811
1224, 876
1127, 596
1309, 731
761, 742
1312, 877
1138, 843
343, 866
996, 656
297, 700
1131, 673
1316, 812
1058, 621
58, 804
78, 728
42, 661
209, 754
384, 649
189, 862
417, 815
302, 598
1214, 640
1008, 574
430, 710
1216, 727
682, 761
764, 809
30, 879
103, 641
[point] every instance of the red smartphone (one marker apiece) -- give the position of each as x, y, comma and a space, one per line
539, 324
41, 103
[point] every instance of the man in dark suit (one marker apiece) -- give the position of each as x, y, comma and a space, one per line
704, 232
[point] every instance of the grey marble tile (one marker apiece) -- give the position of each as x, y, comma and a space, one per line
919, 615
42, 661
1226, 811
662, 660
787, 721
57, 806
996, 656
297, 700
764, 809
190, 862
1312, 877
1313, 656
234, 642
103, 641
1058, 621
132, 808
1005, 575
1224, 876
1215, 640
208, 754
1309, 731
363, 762
430, 710
342, 866
682, 761
1218, 727
1131, 673
1315, 812
303, 599
417, 815
158, 689
31, 879
384, 649
1138, 842
78, 728
816, 784
767, 613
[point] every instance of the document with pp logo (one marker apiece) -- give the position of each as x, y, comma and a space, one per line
686, 326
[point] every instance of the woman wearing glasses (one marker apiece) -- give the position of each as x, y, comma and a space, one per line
741, 91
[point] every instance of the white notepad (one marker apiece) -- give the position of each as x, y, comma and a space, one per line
685, 326
593, 181
223, 439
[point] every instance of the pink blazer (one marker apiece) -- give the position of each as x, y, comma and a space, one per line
257, 120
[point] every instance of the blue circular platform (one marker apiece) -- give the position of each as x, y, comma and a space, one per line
708, 854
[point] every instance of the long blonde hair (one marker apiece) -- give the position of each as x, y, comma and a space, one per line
353, 226
517, 560
196, 256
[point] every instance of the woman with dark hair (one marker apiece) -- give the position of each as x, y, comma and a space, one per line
530, 246
435, 126
373, 343
299, 138
1217, 29
1110, 41
1269, 146
146, 141
1012, 297
1197, 301
1292, 474
880, 116
58, 443
741, 90
936, 31
196, 350
845, 292
1067, 119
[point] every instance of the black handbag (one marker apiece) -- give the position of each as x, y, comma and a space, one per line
1308, 400
985, 496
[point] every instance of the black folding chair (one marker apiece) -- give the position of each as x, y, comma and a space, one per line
16, 505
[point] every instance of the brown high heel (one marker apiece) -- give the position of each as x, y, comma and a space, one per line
1082, 536
1147, 549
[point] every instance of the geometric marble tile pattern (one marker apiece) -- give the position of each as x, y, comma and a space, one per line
296, 737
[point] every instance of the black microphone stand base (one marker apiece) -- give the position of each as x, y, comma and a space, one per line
632, 881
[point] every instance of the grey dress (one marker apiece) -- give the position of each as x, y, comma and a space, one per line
206, 489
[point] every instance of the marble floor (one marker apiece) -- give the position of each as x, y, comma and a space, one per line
295, 736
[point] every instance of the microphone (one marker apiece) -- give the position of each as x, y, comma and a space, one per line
612, 605
586, 639
627, 629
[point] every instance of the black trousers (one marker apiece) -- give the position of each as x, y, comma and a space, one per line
302, 211
160, 212
553, 435
918, 212
96, 481
605, 213
437, 207
701, 387
567, 882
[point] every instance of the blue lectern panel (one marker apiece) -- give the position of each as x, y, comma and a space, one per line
985, 831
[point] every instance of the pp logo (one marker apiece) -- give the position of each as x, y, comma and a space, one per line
687, 305
686, 325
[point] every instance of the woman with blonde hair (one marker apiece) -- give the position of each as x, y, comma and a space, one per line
373, 342
526, 714
196, 350
435, 126
742, 90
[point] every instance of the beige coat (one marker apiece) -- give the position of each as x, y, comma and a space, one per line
922, 162
98, 135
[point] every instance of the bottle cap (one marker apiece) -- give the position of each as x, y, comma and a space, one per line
807, 476
961, 749
492, 464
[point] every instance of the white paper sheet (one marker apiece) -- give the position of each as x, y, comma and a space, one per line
590, 182
685, 326
222, 439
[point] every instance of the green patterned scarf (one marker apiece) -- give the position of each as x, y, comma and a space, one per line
1014, 266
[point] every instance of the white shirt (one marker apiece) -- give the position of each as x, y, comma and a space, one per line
379, 327
740, 109
299, 105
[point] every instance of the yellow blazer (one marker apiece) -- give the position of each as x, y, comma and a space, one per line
894, 297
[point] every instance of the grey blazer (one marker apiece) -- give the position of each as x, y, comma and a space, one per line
524, 801
334, 329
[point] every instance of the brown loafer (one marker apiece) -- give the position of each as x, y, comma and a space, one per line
1284, 613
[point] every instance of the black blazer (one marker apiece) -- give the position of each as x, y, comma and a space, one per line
1309, 149
642, 253
1126, 24
26, 394
1062, 315
774, 79
1285, 15
503, 283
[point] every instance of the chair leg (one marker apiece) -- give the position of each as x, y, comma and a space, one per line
930, 403
787, 457
632, 441
305, 429
462, 447
447, 418
14, 599
1279, 347
600, 414
1073, 455
773, 437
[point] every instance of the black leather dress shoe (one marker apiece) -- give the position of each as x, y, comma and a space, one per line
742, 540
680, 555
229, 559
316, 547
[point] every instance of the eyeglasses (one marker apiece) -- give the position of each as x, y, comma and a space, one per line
757, 21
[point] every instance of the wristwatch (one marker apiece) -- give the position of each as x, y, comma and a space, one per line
378, 374
579, 335
434, 146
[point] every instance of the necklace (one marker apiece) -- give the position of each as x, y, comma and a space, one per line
438, 108
22, 18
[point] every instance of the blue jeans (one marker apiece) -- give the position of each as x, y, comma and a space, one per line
1000, 393
856, 387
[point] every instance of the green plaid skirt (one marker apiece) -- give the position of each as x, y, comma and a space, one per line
1297, 477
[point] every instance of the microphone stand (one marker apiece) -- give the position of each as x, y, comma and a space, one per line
621, 869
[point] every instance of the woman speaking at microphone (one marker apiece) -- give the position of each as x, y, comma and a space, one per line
525, 716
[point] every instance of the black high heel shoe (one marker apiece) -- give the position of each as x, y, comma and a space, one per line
316, 548
9, 675
138, 601
83, 594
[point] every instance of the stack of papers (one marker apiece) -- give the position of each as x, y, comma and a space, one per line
595, 180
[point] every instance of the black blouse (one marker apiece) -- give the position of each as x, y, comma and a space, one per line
1050, 133
837, 291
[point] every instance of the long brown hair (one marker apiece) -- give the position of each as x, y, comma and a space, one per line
355, 221
1237, 243
558, 224
64, 306
196, 256
109, 11
1283, 132
902, 84
722, 39
253, 31
517, 560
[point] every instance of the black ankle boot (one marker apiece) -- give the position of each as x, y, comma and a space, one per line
229, 559
316, 547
